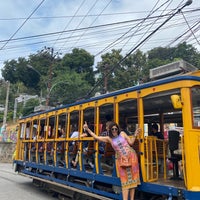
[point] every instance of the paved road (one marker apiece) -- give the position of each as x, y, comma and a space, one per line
17, 187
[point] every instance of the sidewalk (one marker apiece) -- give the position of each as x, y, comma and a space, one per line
16, 187
6, 167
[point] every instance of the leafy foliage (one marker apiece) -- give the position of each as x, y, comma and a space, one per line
80, 61
160, 56
107, 70
28, 108
71, 77
69, 87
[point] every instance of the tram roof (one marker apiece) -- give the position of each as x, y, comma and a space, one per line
125, 90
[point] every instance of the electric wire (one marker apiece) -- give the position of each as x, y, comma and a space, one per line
133, 49
87, 40
77, 16
114, 28
22, 24
93, 5
84, 32
180, 36
190, 29
93, 31
70, 22
153, 23
118, 39
156, 20
83, 28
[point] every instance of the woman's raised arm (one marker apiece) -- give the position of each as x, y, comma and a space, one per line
99, 138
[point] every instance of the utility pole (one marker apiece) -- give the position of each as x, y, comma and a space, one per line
50, 76
49, 83
15, 110
22, 98
105, 72
40, 75
6, 104
3, 128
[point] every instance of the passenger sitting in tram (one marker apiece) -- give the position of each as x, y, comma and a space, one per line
155, 132
85, 150
104, 133
61, 134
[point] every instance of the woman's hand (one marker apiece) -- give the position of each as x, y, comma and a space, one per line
83, 135
85, 126
138, 131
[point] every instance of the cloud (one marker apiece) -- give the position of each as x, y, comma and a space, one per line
97, 26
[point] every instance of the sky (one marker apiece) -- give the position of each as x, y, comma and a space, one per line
98, 26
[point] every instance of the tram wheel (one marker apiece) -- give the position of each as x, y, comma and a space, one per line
62, 197
79, 196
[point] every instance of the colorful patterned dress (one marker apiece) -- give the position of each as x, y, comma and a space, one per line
129, 176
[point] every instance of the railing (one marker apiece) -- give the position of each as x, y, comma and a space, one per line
155, 154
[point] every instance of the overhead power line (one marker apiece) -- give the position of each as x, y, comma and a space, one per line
71, 20
190, 28
132, 50
22, 24
84, 28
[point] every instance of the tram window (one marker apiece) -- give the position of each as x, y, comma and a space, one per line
158, 105
89, 117
195, 93
62, 121
50, 129
41, 128
106, 114
22, 131
28, 130
128, 118
34, 129
74, 119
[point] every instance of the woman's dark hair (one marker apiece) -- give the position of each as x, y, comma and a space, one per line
110, 127
155, 126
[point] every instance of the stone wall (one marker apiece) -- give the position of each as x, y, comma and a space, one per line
6, 151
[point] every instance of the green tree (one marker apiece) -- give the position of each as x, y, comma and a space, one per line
188, 53
69, 87
44, 61
161, 53
28, 108
9, 71
133, 71
17, 71
161, 56
130, 72
80, 61
72, 77
44, 64
107, 69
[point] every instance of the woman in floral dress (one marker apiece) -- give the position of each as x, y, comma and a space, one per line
122, 143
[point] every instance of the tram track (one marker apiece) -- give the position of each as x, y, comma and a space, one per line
8, 174
54, 186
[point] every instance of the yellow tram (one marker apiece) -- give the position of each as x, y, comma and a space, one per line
173, 103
